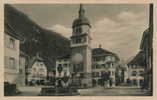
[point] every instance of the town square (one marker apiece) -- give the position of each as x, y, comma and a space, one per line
78, 49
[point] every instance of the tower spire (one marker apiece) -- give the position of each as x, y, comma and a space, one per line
81, 11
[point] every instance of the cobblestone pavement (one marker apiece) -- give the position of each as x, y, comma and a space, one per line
96, 91
117, 91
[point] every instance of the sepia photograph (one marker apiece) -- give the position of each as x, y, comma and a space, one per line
78, 49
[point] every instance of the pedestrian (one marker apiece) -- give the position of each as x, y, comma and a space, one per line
142, 86
110, 81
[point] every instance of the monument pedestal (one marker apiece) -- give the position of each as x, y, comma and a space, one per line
86, 81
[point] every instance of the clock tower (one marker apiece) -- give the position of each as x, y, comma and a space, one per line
81, 49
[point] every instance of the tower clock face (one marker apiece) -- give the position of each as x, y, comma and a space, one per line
77, 58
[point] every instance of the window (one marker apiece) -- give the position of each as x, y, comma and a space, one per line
113, 58
112, 73
134, 73
104, 65
65, 73
135, 82
65, 65
59, 65
141, 73
97, 66
11, 43
108, 58
12, 62
83, 40
95, 74
78, 30
79, 40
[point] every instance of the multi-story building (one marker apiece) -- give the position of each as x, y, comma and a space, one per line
144, 59
38, 70
104, 63
63, 66
11, 54
102, 60
136, 70
84, 62
147, 49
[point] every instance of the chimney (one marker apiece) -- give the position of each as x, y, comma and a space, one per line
100, 46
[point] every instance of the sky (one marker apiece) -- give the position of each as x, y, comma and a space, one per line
117, 27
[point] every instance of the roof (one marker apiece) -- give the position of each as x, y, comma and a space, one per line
138, 60
97, 51
81, 20
64, 57
101, 51
143, 41
8, 29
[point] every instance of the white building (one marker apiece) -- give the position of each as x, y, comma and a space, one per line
38, 69
63, 66
136, 70
136, 75
11, 55
104, 62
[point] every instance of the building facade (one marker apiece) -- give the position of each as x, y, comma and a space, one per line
63, 67
104, 63
23, 62
11, 54
136, 70
136, 75
147, 49
38, 70
86, 65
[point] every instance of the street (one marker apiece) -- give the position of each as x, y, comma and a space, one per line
117, 91
96, 91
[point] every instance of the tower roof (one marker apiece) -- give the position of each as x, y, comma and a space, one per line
81, 20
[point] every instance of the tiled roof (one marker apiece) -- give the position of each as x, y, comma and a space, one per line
64, 57
97, 51
138, 59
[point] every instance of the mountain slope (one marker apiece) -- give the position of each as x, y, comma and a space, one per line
36, 39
